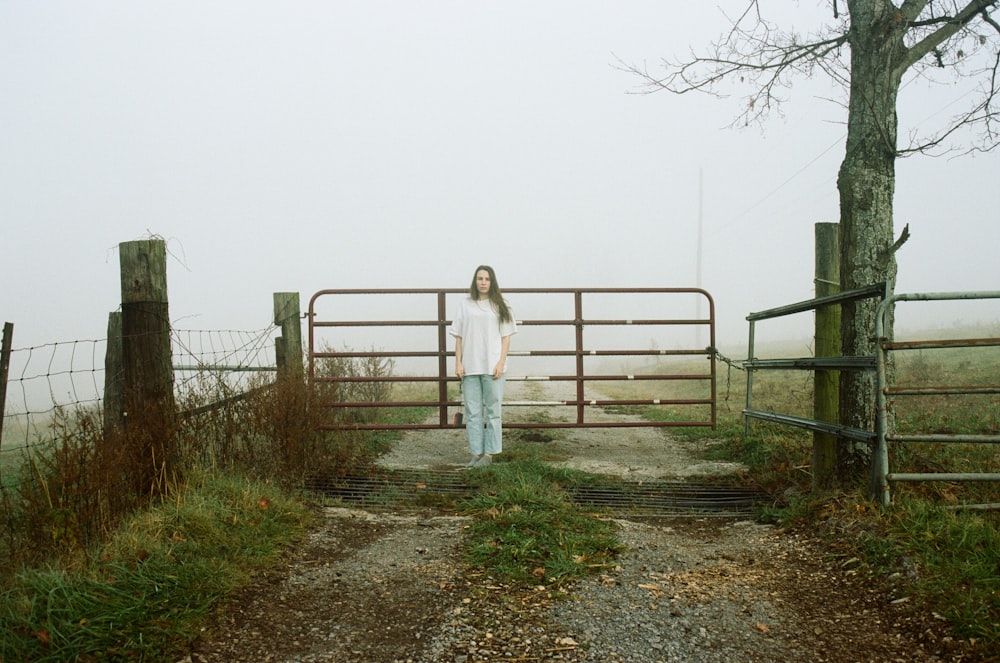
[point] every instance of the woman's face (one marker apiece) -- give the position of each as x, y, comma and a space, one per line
483, 283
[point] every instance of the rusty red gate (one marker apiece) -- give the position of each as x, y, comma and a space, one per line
568, 335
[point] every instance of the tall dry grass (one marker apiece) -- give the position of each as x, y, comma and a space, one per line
72, 489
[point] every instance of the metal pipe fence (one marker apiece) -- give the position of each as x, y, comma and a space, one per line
594, 326
881, 474
887, 390
752, 364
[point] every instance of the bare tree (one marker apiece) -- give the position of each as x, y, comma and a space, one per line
868, 49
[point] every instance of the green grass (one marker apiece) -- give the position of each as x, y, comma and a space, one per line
527, 531
145, 594
949, 559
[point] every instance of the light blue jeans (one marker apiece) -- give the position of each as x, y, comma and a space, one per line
483, 395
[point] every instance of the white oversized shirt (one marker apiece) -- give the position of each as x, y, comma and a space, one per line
481, 331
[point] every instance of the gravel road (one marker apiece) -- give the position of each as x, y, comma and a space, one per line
392, 587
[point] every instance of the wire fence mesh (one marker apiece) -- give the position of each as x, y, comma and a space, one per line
53, 411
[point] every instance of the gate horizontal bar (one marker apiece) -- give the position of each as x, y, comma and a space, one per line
813, 425
532, 426
542, 291
515, 353
596, 403
864, 363
874, 290
941, 344
941, 391
942, 476
512, 378
523, 323
959, 439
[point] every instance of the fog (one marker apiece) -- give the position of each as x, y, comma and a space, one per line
299, 146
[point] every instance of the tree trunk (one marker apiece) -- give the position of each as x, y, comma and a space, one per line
867, 183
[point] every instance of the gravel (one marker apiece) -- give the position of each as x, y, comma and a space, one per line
384, 587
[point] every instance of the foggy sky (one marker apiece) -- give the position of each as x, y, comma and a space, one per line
297, 146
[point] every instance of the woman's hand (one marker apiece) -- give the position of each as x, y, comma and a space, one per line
504, 349
459, 369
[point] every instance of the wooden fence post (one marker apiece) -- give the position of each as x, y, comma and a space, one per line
826, 384
114, 383
146, 362
288, 346
5, 350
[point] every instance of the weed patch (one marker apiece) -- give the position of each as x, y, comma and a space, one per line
527, 532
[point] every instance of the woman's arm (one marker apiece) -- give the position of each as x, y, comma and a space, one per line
504, 347
459, 369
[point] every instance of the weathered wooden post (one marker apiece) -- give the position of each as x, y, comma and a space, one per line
146, 361
5, 350
288, 346
826, 384
114, 380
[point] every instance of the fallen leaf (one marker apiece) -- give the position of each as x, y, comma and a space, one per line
762, 627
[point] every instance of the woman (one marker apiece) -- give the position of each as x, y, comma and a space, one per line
482, 329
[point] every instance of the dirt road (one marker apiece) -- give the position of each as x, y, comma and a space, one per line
383, 587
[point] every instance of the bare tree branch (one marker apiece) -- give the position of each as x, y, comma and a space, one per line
989, 20
950, 25
756, 55
983, 113
903, 236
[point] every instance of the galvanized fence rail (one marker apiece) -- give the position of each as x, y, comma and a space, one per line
752, 364
881, 474
582, 323
881, 437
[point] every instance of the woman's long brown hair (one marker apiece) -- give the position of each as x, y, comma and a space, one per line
496, 297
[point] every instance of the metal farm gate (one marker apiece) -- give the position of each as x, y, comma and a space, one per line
579, 337
882, 475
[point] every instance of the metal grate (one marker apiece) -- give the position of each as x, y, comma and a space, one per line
403, 490
671, 498
394, 491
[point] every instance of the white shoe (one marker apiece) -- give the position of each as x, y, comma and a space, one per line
472, 463
483, 461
